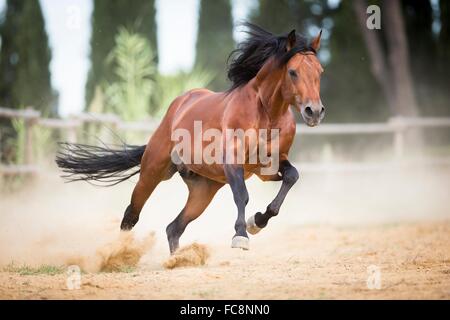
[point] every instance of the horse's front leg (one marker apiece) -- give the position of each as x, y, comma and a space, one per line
235, 177
289, 176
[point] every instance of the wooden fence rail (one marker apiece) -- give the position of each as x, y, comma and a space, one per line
397, 127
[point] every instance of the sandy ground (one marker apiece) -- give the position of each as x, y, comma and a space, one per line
299, 263
331, 233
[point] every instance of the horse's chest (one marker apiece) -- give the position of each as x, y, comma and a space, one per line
281, 136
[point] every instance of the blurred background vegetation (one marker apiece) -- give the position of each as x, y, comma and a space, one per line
370, 75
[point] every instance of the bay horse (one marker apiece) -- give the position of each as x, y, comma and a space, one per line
270, 75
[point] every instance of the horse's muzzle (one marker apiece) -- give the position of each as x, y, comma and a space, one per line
313, 114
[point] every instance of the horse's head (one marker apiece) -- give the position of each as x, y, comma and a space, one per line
301, 83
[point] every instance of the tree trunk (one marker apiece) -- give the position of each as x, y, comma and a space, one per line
392, 70
398, 54
379, 65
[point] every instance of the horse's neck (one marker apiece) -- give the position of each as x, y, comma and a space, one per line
269, 87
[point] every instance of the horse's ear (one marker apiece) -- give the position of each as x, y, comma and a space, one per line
315, 44
291, 39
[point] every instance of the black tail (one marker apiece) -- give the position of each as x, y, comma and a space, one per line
90, 163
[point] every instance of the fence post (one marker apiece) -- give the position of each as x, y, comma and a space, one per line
71, 134
399, 136
31, 116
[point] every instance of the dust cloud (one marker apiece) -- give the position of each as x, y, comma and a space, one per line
119, 255
52, 222
189, 256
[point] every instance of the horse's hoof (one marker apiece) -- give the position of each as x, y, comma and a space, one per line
252, 228
240, 242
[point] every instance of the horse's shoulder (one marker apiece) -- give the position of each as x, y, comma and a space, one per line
199, 92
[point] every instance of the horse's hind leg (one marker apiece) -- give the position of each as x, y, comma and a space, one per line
141, 193
201, 192
156, 166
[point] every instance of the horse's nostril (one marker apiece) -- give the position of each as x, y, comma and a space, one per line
309, 111
322, 111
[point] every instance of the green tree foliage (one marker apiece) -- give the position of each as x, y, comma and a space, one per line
444, 34
444, 54
132, 60
428, 53
418, 24
107, 17
215, 40
171, 86
25, 58
278, 16
138, 90
349, 88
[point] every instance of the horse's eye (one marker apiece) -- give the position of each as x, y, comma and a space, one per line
292, 73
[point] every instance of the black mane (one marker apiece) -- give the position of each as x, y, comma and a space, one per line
251, 54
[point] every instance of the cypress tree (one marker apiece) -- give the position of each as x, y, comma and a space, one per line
215, 40
25, 58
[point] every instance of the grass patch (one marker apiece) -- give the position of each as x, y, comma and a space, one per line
123, 269
25, 270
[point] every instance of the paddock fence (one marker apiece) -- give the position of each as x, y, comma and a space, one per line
397, 127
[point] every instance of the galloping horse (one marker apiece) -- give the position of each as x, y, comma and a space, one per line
269, 75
